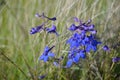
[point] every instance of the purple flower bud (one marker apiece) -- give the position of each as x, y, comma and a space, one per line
93, 31
46, 54
43, 16
76, 19
89, 21
53, 19
91, 26
73, 27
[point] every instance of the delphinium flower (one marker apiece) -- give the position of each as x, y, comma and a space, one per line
52, 30
74, 57
47, 53
115, 59
106, 48
36, 29
81, 42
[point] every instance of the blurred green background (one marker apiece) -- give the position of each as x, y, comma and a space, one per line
19, 51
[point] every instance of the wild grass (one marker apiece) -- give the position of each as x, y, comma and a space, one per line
19, 51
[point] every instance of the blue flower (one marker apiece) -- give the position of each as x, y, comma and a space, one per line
93, 31
106, 48
75, 40
73, 27
82, 54
74, 56
46, 54
52, 30
115, 59
91, 44
91, 26
37, 15
36, 29
69, 63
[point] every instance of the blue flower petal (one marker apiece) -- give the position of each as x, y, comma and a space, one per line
82, 55
50, 54
106, 48
76, 58
45, 58
69, 63
41, 57
72, 27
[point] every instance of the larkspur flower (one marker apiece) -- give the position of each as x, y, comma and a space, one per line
69, 63
46, 54
93, 31
37, 15
115, 59
76, 19
36, 29
52, 30
73, 27
106, 48
80, 42
91, 26
74, 56
89, 21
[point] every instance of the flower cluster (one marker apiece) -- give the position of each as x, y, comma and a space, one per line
41, 27
83, 41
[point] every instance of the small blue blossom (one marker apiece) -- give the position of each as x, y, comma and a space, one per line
76, 58
89, 21
93, 31
37, 15
82, 54
36, 29
115, 59
106, 48
69, 63
53, 19
73, 27
52, 30
46, 54
76, 19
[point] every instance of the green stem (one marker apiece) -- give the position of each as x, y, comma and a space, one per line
15, 65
